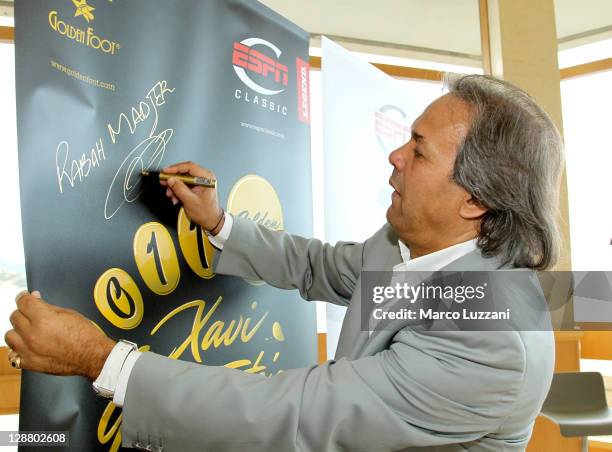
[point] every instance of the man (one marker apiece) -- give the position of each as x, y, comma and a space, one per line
475, 189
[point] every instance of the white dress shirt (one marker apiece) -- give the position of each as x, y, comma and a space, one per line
433, 261
430, 262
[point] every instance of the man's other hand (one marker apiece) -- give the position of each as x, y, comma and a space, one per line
201, 203
55, 340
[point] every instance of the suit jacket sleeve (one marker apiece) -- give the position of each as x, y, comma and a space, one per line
425, 390
319, 271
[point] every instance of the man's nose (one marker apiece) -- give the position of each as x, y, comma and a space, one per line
396, 159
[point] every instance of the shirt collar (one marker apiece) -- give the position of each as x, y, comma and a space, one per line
434, 261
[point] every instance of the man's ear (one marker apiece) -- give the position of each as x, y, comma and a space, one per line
471, 208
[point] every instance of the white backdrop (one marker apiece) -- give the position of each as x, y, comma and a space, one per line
366, 114
587, 109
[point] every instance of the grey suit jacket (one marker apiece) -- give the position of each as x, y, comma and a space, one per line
396, 390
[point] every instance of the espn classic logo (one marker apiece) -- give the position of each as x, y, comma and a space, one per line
257, 63
246, 58
391, 127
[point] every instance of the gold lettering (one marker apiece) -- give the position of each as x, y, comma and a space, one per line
86, 37
53, 20
261, 219
216, 335
105, 434
245, 334
255, 368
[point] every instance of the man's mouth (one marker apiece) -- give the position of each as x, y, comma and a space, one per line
393, 186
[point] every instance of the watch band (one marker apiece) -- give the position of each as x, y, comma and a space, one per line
106, 383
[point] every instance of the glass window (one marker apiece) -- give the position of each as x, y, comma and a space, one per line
587, 109
594, 51
12, 266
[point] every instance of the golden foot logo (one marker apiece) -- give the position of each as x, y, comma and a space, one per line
85, 36
83, 9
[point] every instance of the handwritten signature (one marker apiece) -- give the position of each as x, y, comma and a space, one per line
78, 169
156, 97
128, 184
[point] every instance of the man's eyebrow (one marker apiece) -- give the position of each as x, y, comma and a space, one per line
416, 136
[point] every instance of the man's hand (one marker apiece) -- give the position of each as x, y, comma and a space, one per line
201, 203
55, 340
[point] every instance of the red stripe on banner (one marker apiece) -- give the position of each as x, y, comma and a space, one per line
303, 90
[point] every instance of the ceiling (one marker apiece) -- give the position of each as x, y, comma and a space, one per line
445, 29
444, 26
416, 23
575, 17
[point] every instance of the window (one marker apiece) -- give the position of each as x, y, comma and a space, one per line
587, 109
12, 266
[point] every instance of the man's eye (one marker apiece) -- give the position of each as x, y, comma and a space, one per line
417, 154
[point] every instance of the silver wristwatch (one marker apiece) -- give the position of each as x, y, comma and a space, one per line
106, 383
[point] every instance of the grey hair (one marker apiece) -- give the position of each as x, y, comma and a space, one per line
510, 161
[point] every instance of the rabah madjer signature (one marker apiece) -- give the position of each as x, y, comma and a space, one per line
126, 185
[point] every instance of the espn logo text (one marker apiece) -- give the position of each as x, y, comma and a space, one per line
245, 58
257, 64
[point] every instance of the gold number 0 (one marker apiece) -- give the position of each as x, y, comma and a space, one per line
156, 258
116, 294
118, 299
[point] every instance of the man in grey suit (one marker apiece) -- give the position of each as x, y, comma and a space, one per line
475, 189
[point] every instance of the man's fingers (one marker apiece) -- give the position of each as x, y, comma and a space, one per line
198, 190
181, 191
14, 341
28, 304
19, 321
21, 294
188, 168
37, 294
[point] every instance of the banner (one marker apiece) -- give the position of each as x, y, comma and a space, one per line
367, 114
107, 89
